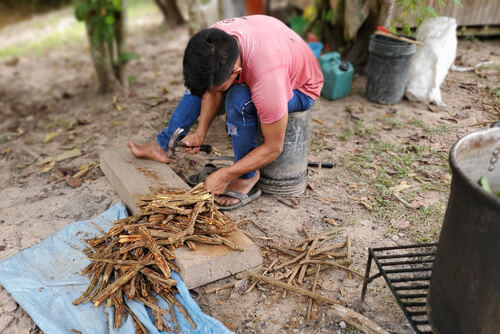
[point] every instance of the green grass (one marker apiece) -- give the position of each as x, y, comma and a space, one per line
439, 130
357, 129
317, 145
382, 165
390, 122
72, 34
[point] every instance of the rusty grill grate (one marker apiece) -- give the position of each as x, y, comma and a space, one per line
407, 272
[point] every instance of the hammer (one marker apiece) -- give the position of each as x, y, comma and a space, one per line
175, 142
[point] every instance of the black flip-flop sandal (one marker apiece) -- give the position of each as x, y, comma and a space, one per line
202, 174
252, 195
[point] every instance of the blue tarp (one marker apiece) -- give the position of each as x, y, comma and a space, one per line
45, 280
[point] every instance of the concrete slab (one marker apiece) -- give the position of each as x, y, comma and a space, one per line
131, 177
211, 262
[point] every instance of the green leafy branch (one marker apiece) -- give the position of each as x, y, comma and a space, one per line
101, 16
420, 10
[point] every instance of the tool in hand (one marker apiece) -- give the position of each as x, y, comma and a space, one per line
175, 142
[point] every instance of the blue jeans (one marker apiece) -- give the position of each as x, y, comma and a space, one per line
241, 118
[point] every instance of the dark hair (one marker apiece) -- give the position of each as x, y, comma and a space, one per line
209, 60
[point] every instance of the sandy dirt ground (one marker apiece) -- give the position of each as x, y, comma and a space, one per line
374, 147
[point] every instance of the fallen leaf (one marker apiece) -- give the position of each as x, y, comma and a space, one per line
261, 288
239, 288
47, 167
331, 221
68, 155
400, 224
5, 139
317, 121
86, 166
74, 182
401, 187
159, 101
50, 136
118, 107
45, 161
332, 200
352, 108
288, 202
449, 119
416, 205
164, 90
81, 172
431, 108
366, 205
12, 62
8, 150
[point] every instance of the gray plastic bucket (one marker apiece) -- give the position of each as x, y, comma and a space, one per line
287, 174
388, 67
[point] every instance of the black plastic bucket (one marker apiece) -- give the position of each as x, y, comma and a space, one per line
388, 66
287, 174
464, 296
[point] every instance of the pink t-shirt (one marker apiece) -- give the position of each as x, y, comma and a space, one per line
275, 61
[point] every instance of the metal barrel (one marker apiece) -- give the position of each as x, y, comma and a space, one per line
464, 294
287, 174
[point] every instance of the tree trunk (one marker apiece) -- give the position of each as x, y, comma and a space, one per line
220, 9
107, 56
100, 59
120, 38
194, 16
171, 12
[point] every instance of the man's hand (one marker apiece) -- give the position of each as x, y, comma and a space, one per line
151, 151
217, 182
194, 140
210, 103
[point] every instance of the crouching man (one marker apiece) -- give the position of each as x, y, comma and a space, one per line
259, 70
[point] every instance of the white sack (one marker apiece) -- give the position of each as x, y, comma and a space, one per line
432, 60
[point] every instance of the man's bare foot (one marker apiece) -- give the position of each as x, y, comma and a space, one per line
240, 185
151, 151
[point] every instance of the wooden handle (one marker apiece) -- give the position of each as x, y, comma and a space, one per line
399, 38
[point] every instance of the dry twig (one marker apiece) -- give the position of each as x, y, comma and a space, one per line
355, 319
134, 258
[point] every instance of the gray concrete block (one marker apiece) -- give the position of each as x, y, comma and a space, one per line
212, 262
131, 177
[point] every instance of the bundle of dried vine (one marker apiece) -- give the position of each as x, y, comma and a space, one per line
134, 258
309, 256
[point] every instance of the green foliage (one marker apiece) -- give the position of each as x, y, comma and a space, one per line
418, 9
127, 56
319, 15
497, 93
101, 16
